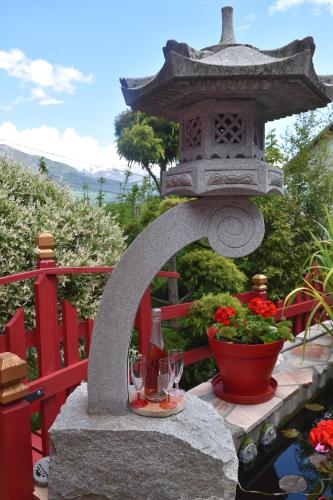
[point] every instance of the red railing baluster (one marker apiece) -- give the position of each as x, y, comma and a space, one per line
70, 333
143, 321
70, 336
15, 335
89, 325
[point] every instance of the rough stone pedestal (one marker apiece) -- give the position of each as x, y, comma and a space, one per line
187, 456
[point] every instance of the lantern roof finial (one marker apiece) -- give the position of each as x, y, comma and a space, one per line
228, 36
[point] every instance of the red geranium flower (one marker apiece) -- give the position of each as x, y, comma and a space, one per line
212, 330
231, 311
321, 437
223, 315
255, 303
262, 307
270, 309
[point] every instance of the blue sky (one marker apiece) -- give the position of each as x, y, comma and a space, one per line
60, 61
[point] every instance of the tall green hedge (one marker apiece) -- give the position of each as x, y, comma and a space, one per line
84, 236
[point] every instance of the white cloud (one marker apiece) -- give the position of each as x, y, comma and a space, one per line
248, 21
40, 95
11, 105
243, 27
42, 75
283, 5
251, 18
83, 152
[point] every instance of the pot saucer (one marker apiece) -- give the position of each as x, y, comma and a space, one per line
240, 398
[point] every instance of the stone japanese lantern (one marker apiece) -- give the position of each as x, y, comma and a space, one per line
221, 96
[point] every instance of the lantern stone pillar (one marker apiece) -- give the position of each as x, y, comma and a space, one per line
221, 95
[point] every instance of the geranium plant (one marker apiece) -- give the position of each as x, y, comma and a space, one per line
250, 324
321, 439
321, 436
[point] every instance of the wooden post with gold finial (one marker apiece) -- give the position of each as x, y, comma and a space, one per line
259, 284
47, 330
16, 480
45, 250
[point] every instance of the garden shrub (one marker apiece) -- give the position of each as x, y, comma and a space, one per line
84, 236
205, 270
201, 314
194, 327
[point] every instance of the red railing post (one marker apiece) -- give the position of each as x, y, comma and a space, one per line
46, 305
47, 331
143, 321
16, 480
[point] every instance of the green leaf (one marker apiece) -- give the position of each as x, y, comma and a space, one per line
227, 332
317, 490
290, 433
314, 407
325, 467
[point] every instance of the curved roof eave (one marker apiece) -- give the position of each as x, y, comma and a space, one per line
178, 66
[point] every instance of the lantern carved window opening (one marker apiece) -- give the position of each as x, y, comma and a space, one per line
228, 128
193, 132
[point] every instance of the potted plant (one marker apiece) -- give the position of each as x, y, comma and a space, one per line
246, 342
318, 282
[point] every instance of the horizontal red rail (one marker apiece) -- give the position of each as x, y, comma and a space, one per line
295, 309
60, 380
5, 280
175, 311
195, 355
179, 310
71, 375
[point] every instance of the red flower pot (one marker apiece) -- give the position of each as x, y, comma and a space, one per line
245, 369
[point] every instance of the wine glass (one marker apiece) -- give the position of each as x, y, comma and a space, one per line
138, 373
178, 358
167, 378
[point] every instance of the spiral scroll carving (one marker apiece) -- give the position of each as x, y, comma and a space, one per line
236, 229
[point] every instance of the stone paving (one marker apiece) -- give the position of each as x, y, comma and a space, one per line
299, 381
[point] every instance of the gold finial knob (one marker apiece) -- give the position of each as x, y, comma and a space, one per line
259, 282
45, 243
12, 370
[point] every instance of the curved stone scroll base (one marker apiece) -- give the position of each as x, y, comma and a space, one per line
234, 228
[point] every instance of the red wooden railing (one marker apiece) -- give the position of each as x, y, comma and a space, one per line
60, 368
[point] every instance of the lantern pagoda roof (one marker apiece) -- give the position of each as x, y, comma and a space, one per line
283, 81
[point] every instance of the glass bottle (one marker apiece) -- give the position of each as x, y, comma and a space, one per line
153, 391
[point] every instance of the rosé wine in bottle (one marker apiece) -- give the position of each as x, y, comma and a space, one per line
156, 351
